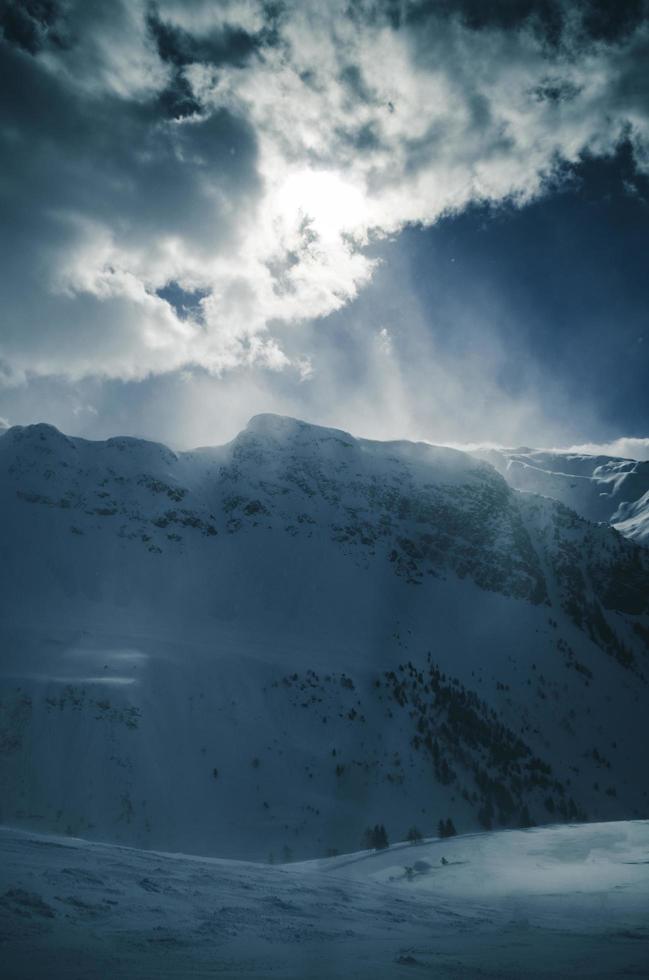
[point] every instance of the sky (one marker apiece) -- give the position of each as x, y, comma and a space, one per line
407, 219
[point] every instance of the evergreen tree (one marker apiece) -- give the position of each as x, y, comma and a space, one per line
446, 828
375, 838
414, 835
380, 838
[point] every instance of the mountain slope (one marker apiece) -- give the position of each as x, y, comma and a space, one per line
268, 645
600, 488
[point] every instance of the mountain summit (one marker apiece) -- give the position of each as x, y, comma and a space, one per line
272, 644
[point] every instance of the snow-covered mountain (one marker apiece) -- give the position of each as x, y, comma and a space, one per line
267, 646
600, 488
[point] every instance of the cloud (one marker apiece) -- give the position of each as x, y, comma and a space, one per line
627, 447
248, 156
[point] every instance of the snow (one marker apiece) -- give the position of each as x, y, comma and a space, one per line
260, 649
632, 519
600, 488
567, 901
164, 615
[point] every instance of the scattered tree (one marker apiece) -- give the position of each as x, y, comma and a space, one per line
375, 838
446, 828
414, 835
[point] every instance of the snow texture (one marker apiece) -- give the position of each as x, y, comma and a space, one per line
600, 488
566, 901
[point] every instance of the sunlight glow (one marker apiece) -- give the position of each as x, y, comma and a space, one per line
330, 204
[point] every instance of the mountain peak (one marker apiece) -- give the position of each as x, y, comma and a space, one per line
40, 436
282, 426
36, 430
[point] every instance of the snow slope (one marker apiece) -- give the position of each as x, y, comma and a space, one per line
269, 645
600, 488
566, 901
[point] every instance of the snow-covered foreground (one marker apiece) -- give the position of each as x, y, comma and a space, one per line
555, 902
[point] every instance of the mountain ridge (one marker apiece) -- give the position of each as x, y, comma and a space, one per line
608, 489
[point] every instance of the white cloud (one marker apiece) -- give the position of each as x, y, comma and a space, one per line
627, 447
81, 409
201, 17
343, 129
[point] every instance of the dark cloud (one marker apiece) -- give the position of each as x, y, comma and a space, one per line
178, 48
364, 139
352, 78
603, 20
32, 24
176, 100
556, 90
547, 16
223, 45
598, 19
119, 161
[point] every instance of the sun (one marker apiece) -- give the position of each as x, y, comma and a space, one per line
332, 204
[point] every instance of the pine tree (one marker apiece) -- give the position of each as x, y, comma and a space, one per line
375, 838
414, 835
446, 828
380, 838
